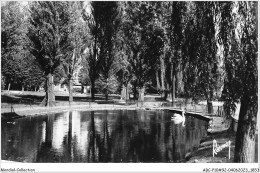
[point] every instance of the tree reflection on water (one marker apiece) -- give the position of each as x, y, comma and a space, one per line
101, 136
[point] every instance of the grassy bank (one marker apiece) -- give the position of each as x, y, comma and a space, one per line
204, 153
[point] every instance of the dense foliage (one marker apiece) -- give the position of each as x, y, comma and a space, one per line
18, 66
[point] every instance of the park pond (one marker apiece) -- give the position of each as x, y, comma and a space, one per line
101, 136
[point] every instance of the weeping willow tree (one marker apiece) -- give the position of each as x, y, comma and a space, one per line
238, 35
200, 61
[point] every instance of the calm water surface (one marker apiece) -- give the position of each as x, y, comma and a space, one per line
101, 136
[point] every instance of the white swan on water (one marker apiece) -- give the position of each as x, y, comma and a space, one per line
179, 118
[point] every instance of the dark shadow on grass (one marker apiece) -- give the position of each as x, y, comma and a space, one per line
160, 99
21, 99
32, 97
98, 98
9, 99
9, 116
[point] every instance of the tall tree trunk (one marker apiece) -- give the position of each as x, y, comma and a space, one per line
246, 132
141, 95
209, 101
22, 89
106, 94
123, 93
82, 88
173, 86
179, 87
135, 89
70, 90
127, 91
166, 92
173, 91
92, 89
210, 106
157, 81
49, 99
106, 90
9, 85
162, 76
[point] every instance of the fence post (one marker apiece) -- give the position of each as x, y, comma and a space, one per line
214, 143
12, 109
229, 146
213, 148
